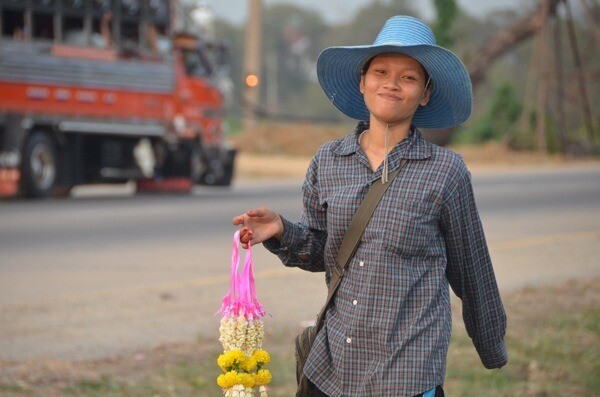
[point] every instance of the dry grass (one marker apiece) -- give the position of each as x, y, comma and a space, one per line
284, 150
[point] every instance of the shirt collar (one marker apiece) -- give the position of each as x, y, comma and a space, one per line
413, 147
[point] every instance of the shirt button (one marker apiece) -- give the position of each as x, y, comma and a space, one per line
361, 263
348, 340
354, 302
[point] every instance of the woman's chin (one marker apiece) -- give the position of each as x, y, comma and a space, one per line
392, 119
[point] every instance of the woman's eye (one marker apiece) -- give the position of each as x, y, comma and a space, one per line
410, 78
379, 71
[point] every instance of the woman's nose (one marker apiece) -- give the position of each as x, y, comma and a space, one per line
392, 86
392, 83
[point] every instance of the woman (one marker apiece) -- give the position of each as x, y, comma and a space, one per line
388, 329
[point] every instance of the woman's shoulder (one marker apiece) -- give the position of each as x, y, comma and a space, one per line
323, 160
448, 159
336, 147
445, 171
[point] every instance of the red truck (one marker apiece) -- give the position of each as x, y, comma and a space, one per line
101, 91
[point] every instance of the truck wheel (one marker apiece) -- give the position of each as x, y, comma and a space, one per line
197, 167
225, 178
222, 171
39, 165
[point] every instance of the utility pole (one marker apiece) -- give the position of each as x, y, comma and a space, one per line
252, 64
542, 61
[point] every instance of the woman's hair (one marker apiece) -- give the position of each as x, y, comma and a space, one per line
365, 67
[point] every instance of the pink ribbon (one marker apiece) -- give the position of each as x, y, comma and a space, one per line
241, 298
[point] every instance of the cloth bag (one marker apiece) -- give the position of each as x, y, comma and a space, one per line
304, 342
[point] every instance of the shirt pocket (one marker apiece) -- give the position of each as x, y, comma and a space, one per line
341, 203
411, 228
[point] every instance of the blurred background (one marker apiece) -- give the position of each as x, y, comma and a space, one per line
133, 131
513, 53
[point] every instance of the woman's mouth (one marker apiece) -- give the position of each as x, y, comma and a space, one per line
389, 97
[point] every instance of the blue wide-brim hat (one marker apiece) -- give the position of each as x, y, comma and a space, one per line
450, 102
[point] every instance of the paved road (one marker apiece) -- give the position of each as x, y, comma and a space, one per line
107, 273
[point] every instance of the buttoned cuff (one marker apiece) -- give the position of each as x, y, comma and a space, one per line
494, 355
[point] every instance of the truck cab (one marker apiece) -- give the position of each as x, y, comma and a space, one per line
99, 91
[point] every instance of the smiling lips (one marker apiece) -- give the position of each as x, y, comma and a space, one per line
389, 97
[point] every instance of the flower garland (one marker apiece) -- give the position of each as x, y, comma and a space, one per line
242, 334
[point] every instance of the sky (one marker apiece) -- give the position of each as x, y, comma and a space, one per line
344, 10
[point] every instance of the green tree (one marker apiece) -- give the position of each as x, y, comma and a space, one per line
499, 119
447, 11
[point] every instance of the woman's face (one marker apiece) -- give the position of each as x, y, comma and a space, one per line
392, 86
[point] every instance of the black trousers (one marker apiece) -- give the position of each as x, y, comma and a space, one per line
439, 392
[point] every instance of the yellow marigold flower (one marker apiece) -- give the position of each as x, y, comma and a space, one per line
262, 377
237, 355
228, 379
222, 382
246, 380
224, 362
262, 357
249, 364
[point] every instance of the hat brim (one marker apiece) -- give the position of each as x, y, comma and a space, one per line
450, 102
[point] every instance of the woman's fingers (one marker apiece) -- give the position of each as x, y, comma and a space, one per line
246, 240
255, 221
245, 235
241, 219
238, 220
254, 212
259, 212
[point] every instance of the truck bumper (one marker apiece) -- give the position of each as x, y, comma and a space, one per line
9, 181
182, 185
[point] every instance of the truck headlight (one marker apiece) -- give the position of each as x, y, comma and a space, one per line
179, 124
10, 159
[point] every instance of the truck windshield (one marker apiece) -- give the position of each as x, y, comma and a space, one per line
196, 65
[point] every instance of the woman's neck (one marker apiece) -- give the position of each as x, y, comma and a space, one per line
376, 134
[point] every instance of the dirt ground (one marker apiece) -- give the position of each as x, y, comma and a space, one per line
282, 151
526, 309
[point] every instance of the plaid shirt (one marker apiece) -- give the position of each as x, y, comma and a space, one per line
388, 330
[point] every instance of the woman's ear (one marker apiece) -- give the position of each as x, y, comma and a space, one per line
426, 96
361, 84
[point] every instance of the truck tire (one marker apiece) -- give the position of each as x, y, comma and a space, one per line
225, 178
197, 166
221, 172
40, 163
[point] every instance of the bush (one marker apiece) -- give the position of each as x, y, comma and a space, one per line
499, 119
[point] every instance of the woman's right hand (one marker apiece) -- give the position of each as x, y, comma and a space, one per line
258, 225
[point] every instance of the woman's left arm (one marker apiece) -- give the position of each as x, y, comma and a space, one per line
470, 273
